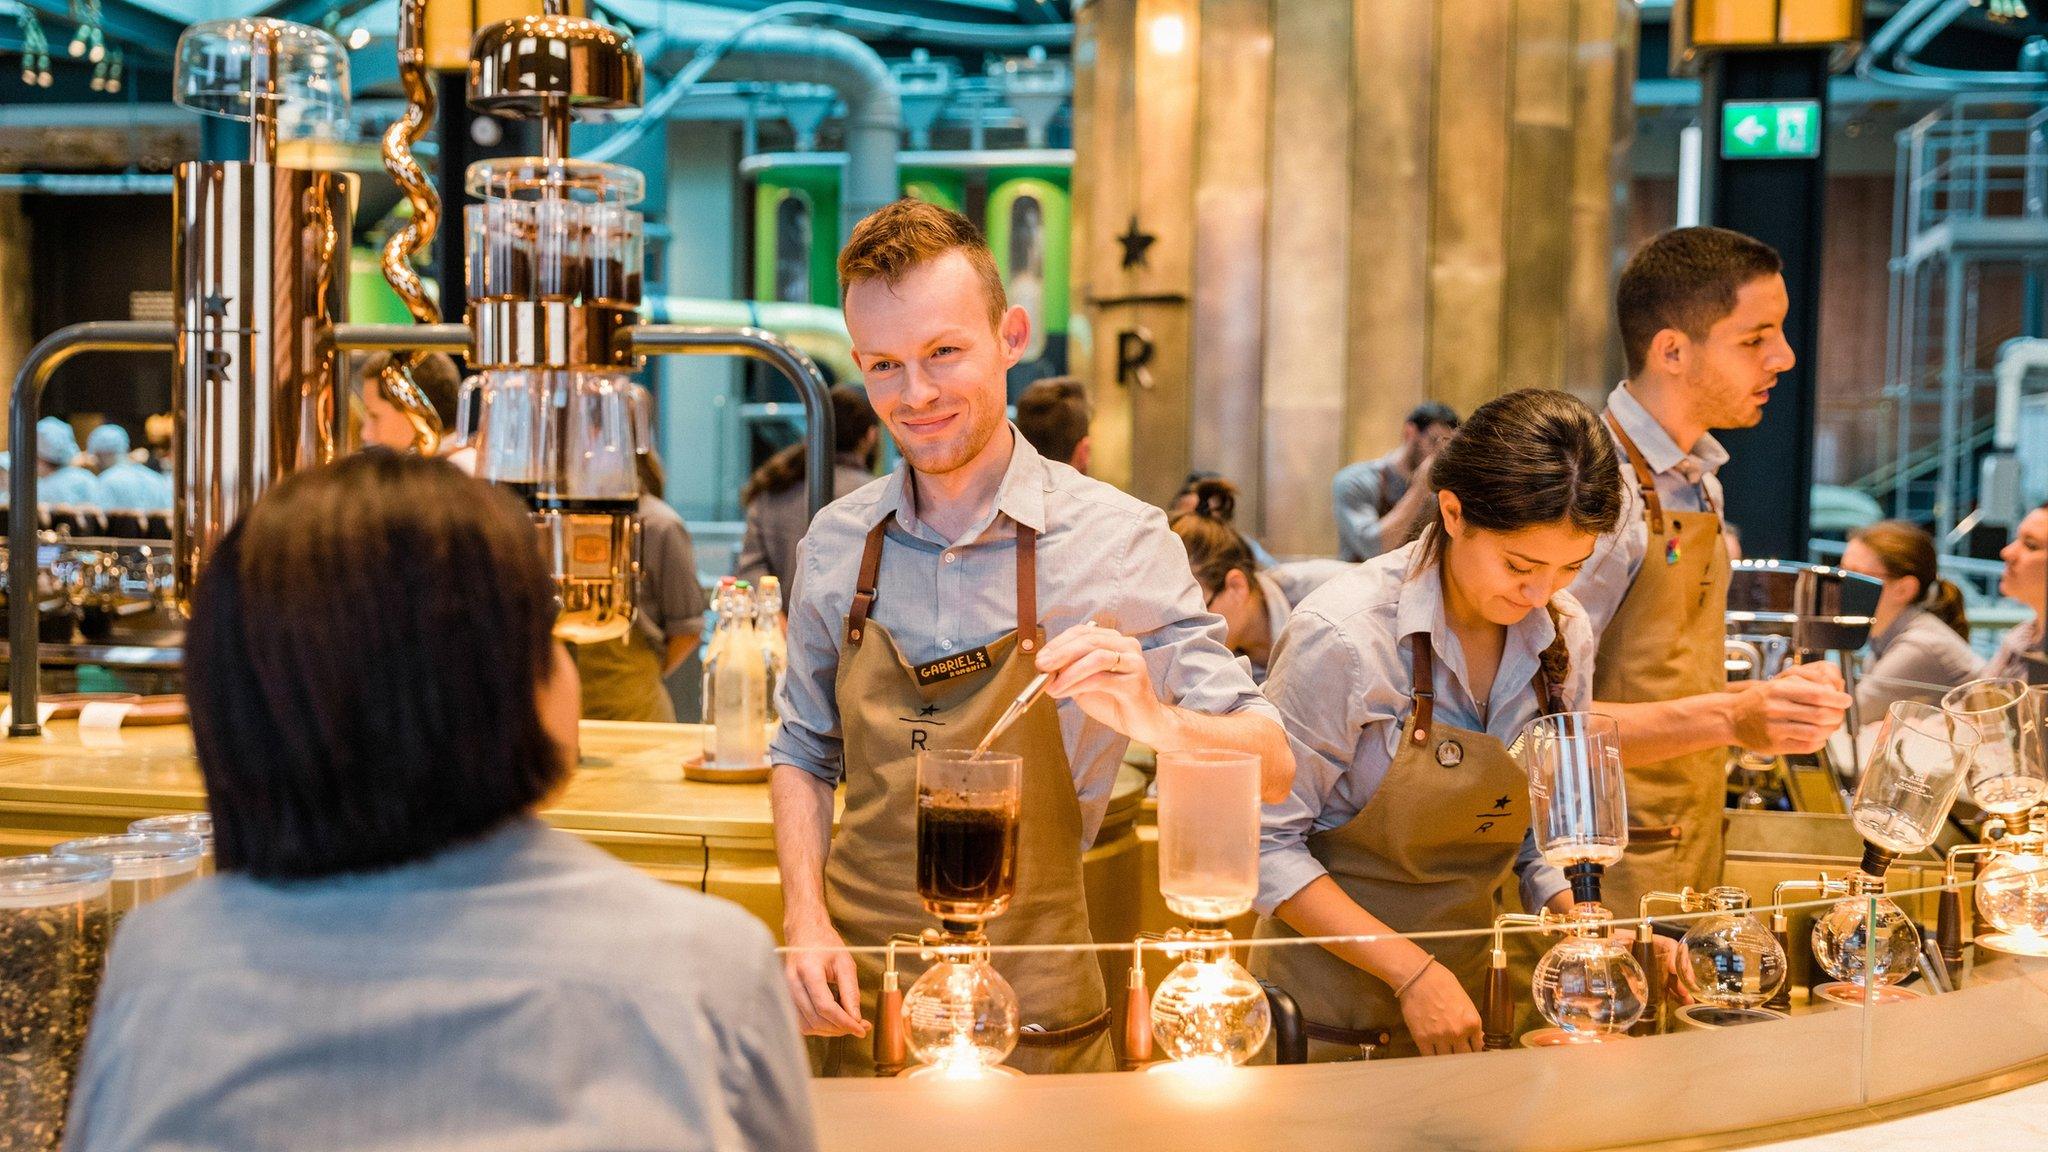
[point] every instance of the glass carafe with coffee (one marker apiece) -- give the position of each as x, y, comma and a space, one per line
1588, 985
1866, 943
1210, 1010
960, 1019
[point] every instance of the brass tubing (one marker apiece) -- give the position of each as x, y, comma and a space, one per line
24, 663
452, 338
396, 381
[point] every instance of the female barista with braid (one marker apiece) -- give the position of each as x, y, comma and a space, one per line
1402, 684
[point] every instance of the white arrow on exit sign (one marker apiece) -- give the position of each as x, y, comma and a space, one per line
1751, 130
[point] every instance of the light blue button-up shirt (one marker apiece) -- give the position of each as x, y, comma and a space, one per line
1343, 681
129, 485
69, 485
1686, 482
1359, 495
1102, 555
525, 990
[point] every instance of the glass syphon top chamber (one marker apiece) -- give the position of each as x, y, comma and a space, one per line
1910, 782
1578, 808
264, 69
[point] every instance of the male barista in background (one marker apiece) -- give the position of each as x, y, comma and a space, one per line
925, 602
1381, 503
1702, 314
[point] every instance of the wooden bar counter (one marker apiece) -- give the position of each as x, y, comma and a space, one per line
628, 797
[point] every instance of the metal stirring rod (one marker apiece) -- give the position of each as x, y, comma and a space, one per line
1025, 699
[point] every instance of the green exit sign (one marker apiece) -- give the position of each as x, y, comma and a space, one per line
1770, 129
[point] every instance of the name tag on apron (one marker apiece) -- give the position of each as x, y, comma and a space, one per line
953, 667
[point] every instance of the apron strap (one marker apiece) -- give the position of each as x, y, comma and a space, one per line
1028, 635
864, 589
1644, 480
1422, 665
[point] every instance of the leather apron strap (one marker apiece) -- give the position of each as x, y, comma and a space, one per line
1645, 481
865, 592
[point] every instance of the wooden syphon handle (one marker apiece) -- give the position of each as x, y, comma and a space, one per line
1782, 1000
1137, 1022
1652, 1021
892, 1048
1500, 1010
1948, 931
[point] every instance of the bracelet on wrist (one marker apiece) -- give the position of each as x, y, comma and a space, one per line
1410, 982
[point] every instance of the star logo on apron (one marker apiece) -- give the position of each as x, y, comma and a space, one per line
1450, 753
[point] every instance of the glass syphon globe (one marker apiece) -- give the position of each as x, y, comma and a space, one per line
1841, 937
2012, 895
1588, 982
1731, 957
961, 1016
1211, 1008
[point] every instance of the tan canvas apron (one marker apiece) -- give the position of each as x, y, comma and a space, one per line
887, 712
622, 681
1430, 852
1666, 643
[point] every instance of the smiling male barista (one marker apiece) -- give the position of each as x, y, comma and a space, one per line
1702, 314
925, 601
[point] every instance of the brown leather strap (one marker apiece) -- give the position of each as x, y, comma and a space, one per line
1422, 665
864, 588
1060, 1037
1349, 1037
1029, 637
1644, 479
1655, 834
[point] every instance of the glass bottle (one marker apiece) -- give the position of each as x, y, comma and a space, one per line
735, 678
774, 639
712, 649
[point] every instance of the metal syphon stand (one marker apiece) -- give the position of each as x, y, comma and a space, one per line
262, 334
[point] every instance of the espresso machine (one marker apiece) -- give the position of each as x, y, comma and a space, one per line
554, 264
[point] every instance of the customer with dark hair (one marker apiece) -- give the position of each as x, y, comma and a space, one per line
1254, 599
1403, 685
1702, 315
1189, 498
1381, 503
385, 424
1053, 414
623, 679
1920, 634
2026, 565
778, 512
397, 953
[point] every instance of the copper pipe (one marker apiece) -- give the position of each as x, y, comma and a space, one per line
396, 380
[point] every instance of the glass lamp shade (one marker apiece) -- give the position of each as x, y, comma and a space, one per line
1588, 982
961, 1017
1731, 958
260, 67
1841, 937
1211, 1008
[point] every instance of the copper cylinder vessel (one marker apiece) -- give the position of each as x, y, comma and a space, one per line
260, 275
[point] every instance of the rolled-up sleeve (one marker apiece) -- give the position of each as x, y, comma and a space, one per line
1355, 497
1324, 728
1539, 880
1185, 644
809, 735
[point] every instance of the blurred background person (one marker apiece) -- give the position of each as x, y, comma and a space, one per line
62, 480
2026, 566
1253, 599
1920, 633
1190, 497
1381, 503
396, 951
625, 679
777, 513
1053, 414
384, 424
123, 483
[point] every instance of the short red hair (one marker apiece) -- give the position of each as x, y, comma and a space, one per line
898, 237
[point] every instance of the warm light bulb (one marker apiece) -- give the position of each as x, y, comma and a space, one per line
97, 54
2012, 894
1169, 34
1211, 1008
961, 1016
359, 38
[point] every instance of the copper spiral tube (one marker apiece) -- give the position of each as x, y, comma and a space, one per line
396, 381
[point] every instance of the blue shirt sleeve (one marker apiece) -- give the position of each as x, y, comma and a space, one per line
1355, 499
808, 701
1317, 685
